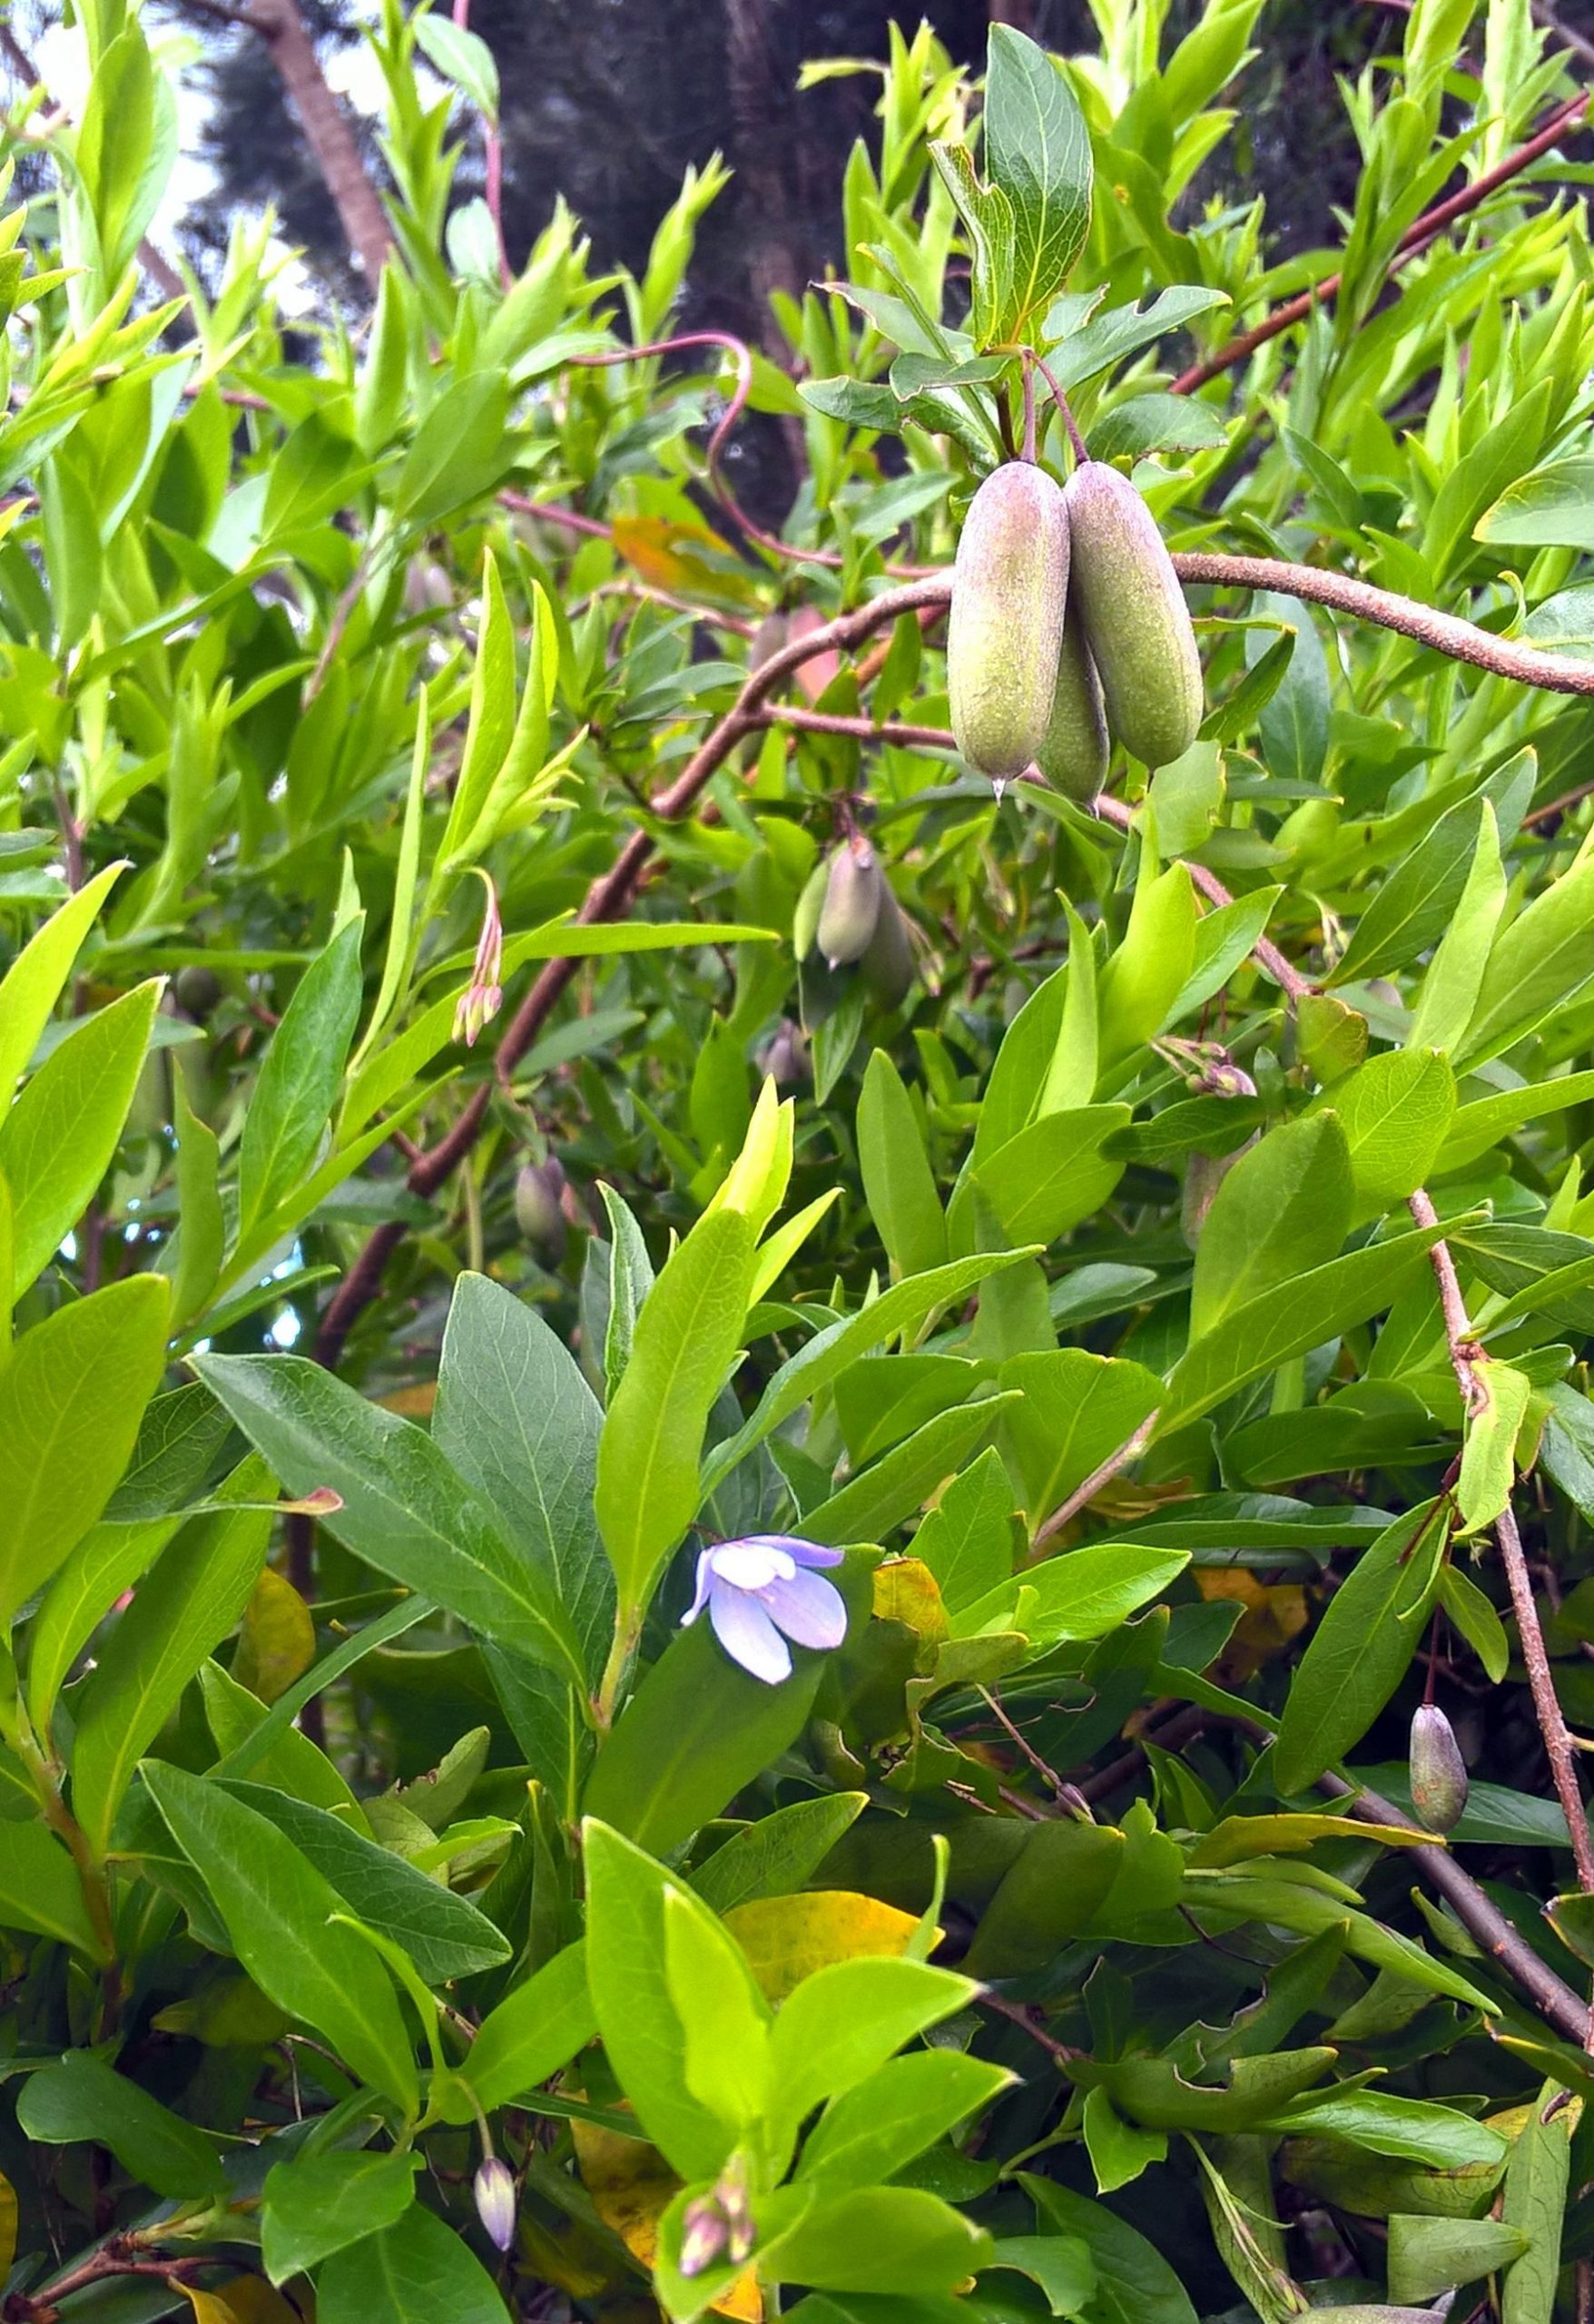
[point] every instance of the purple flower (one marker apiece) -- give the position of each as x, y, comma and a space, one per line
760, 1586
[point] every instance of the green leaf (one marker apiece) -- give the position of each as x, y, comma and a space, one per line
181, 1445
968, 1540
1307, 1312
687, 1339
446, 1935
316, 2204
460, 56
1408, 2127
1119, 2152
280, 1916
1454, 976
40, 1889
300, 1079
84, 2099
641, 2033
896, 2240
1537, 2179
406, 1511
1282, 1209
201, 1228
1134, 2283
1487, 1120
898, 1183
192, 1598
1430, 2256
843, 2022
40, 970
902, 1309
1551, 508
780, 1852
58, 1138
107, 1560
1474, 1616
460, 450
1395, 1111
1037, 154
1294, 721
520, 1424
696, 1731
71, 1391
1361, 1649
1059, 2267
878, 2127
416, 2271
1054, 1173
1077, 1410
1077, 1594
1063, 1873
867, 1507
529, 2035
1541, 959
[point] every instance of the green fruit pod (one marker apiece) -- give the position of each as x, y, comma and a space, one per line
539, 1188
1005, 629
1074, 751
853, 888
1439, 1772
887, 965
1136, 622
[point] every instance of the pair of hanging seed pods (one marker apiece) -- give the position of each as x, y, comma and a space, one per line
1068, 626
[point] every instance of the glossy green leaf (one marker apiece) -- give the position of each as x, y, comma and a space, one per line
83, 2099
414, 2273
316, 2204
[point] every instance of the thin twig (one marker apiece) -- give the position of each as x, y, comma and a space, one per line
1560, 1748
1102, 1474
1464, 1349
1433, 222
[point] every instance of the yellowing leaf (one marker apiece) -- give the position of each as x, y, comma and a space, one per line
669, 554
787, 1938
632, 2187
1276, 1612
906, 1591
412, 1403
247, 2299
7, 2224
279, 1640
1239, 1838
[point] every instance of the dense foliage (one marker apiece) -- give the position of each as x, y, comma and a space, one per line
717, 1567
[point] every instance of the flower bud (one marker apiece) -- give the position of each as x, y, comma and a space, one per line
1005, 627
538, 1192
497, 2202
851, 902
1439, 1772
703, 2236
785, 1056
1136, 622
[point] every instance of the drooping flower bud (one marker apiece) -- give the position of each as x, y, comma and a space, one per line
851, 902
538, 1192
496, 2201
483, 998
1439, 1773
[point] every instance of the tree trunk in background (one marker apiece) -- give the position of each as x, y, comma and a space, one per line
1019, 14
761, 158
327, 132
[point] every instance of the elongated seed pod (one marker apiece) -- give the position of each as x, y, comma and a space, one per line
1005, 629
1439, 1772
851, 902
886, 966
1074, 750
1136, 621
538, 1190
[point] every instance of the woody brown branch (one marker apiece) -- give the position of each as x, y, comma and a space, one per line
331, 141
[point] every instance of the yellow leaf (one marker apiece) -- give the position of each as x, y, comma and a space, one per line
412, 1403
906, 1591
671, 553
7, 2224
247, 2299
279, 1640
786, 1938
632, 2187
1238, 1838
1276, 1612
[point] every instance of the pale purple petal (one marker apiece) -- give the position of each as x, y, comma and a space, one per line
705, 1574
805, 1552
748, 1565
808, 1609
748, 1635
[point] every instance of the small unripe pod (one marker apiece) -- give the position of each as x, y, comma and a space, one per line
852, 894
1073, 754
887, 967
1439, 1772
1136, 621
1005, 629
537, 1211
785, 1056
